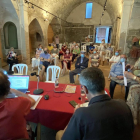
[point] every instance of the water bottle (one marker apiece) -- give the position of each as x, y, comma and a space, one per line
56, 83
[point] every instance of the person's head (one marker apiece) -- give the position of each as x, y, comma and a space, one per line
40, 48
109, 45
68, 51
54, 46
49, 44
4, 85
45, 50
95, 51
123, 58
103, 40
92, 50
117, 53
92, 82
82, 54
12, 49
76, 46
39, 45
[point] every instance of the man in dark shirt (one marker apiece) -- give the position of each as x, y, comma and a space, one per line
104, 118
81, 64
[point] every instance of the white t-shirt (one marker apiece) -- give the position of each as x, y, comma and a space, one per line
115, 59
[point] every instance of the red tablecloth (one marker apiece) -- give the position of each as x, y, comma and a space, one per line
56, 112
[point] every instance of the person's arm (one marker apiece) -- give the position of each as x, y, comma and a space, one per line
112, 71
90, 59
72, 131
85, 63
20, 94
77, 64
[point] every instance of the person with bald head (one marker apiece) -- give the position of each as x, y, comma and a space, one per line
117, 76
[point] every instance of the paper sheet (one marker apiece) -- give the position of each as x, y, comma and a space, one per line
70, 89
125, 80
37, 98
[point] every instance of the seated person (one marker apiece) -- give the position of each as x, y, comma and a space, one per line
36, 60
13, 111
91, 48
114, 59
103, 119
62, 51
81, 64
117, 77
12, 58
133, 100
75, 52
66, 63
94, 59
44, 62
110, 50
54, 55
50, 47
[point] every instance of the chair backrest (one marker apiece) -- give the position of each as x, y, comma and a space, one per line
55, 72
83, 48
20, 68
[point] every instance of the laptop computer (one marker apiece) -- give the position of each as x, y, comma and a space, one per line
19, 82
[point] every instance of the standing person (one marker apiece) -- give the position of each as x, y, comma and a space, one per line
44, 62
57, 41
13, 111
12, 58
66, 63
94, 59
75, 52
36, 60
102, 50
54, 55
103, 119
81, 64
62, 51
109, 50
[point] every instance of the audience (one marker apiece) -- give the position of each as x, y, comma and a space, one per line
103, 119
12, 58
102, 50
94, 59
36, 60
91, 48
117, 77
54, 55
75, 52
62, 51
81, 63
13, 111
44, 62
50, 47
66, 63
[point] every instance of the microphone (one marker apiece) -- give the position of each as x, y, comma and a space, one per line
37, 91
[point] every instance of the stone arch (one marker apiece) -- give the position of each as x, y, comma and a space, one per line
34, 29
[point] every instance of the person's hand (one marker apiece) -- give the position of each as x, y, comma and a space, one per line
12, 90
78, 64
128, 75
120, 77
78, 106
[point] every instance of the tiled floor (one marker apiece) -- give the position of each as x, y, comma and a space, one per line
48, 134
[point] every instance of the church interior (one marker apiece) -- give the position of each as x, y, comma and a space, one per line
26, 24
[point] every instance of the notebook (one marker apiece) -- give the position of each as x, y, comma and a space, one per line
70, 89
37, 98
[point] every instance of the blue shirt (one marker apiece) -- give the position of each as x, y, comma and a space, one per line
91, 47
116, 70
45, 56
82, 59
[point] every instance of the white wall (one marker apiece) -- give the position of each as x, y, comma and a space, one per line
78, 15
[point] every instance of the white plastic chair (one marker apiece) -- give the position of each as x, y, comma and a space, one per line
20, 68
84, 48
55, 73
60, 46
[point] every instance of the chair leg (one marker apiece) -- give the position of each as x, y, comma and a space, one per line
38, 132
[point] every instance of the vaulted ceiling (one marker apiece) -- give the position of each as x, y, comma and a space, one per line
63, 8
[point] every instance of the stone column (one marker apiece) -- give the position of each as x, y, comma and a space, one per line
24, 32
126, 14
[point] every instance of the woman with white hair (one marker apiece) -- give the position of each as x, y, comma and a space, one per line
12, 58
